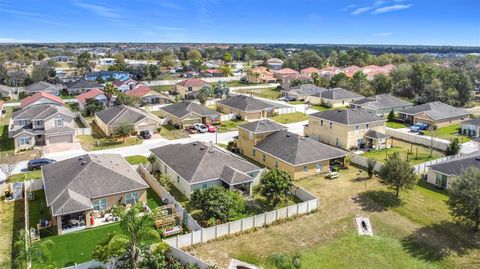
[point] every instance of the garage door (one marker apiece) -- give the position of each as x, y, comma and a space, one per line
60, 139
152, 128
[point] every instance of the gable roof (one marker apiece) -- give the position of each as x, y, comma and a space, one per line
263, 126
42, 86
246, 103
337, 94
83, 84
274, 61
286, 71
348, 116
436, 110
375, 134
71, 184
381, 101
310, 70
41, 112
82, 98
123, 113
5, 90
199, 161
475, 122
296, 150
184, 108
39, 95
193, 82
456, 166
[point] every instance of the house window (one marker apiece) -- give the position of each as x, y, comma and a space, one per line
58, 122
305, 169
24, 141
178, 179
100, 204
321, 122
318, 166
253, 152
204, 186
190, 89
366, 125
337, 143
23, 122
165, 168
441, 180
38, 122
132, 197
250, 135
276, 164
264, 157
331, 124
343, 102
356, 127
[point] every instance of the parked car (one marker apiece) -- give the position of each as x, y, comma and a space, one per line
191, 130
211, 128
38, 163
145, 134
200, 127
418, 127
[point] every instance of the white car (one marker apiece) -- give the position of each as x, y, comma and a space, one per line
200, 127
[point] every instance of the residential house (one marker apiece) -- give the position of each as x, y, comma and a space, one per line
272, 145
349, 71
125, 85
80, 190
301, 92
211, 72
106, 61
336, 97
6, 92
443, 173
433, 113
470, 127
279, 74
81, 86
329, 71
41, 98
91, 94
373, 70
199, 165
110, 119
246, 107
260, 74
288, 80
184, 114
62, 59
348, 128
107, 75
382, 104
148, 96
309, 71
43, 86
189, 88
42, 125
274, 64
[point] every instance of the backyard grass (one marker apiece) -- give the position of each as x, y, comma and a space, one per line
269, 93
326, 238
290, 117
98, 140
320, 107
163, 88
404, 149
395, 125
25, 176
37, 209
153, 200
169, 132
12, 216
6, 144
136, 159
240, 83
449, 133
229, 125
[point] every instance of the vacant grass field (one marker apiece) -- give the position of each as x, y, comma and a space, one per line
98, 140
449, 133
170, 132
395, 125
269, 93
403, 148
413, 232
290, 117
136, 159
12, 216
229, 125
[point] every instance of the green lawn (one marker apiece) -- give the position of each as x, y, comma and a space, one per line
240, 83
290, 117
98, 140
449, 133
170, 132
25, 176
6, 144
37, 209
153, 200
12, 216
395, 125
268, 93
229, 125
320, 107
136, 159
163, 88
405, 149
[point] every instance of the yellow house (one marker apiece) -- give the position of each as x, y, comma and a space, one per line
336, 97
348, 128
189, 88
272, 145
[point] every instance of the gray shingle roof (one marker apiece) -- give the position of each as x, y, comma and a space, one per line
306, 89
198, 161
72, 183
233, 176
41, 112
261, 126
59, 130
5, 90
381, 101
475, 122
123, 113
436, 110
297, 150
246, 103
337, 94
456, 166
182, 109
375, 135
42, 86
348, 116
83, 84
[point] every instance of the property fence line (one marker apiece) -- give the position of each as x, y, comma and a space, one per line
422, 167
87, 130
175, 81
254, 87
26, 222
363, 162
436, 143
189, 221
225, 117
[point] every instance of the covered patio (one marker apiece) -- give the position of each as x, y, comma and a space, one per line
376, 140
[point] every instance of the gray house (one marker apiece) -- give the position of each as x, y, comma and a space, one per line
81, 86
381, 104
43, 86
442, 173
111, 118
199, 165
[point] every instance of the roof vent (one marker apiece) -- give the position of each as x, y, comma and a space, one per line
194, 143
81, 158
477, 158
202, 148
288, 135
84, 162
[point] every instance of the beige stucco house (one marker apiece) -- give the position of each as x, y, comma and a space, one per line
188, 88
434, 113
109, 119
441, 174
246, 107
336, 97
185, 113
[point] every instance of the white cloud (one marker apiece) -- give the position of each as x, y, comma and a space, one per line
22, 13
361, 10
101, 10
382, 34
348, 7
391, 8
14, 40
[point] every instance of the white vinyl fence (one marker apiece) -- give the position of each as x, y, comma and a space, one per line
363, 162
423, 167
175, 81
86, 130
437, 143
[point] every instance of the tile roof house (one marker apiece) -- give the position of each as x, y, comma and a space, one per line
309, 71
81, 86
260, 74
348, 128
336, 97
470, 127
271, 144
279, 74
199, 165
148, 96
43, 86
41, 98
442, 173
109, 119
77, 188
184, 114
434, 113
246, 107
41, 125
91, 94
189, 88
288, 80
381, 104
274, 63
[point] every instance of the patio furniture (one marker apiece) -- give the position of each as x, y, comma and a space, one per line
172, 231
332, 175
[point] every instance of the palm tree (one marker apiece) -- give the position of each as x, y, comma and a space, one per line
204, 93
27, 252
110, 90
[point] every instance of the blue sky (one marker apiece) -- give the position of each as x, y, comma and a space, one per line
428, 22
